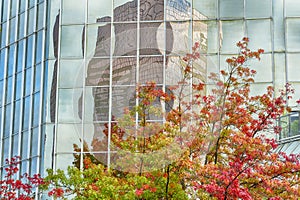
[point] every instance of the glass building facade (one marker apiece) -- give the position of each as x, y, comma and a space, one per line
69, 67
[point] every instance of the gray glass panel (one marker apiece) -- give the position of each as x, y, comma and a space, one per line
292, 8
99, 11
280, 70
293, 67
258, 8
122, 97
37, 78
124, 71
231, 8
69, 105
293, 37
96, 103
24, 148
71, 73
17, 111
65, 141
71, 41
259, 33
154, 9
98, 72
8, 94
69, 7
94, 136
232, 32
263, 68
35, 141
151, 69
39, 46
7, 120
125, 39
152, 38
207, 7
15, 141
125, 10
40, 16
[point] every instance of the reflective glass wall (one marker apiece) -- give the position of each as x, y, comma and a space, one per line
103, 51
22, 69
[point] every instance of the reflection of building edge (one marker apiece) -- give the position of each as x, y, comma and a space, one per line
151, 60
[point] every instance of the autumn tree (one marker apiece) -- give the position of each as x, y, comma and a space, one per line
215, 142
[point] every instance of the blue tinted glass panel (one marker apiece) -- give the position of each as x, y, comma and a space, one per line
11, 59
21, 27
1, 93
34, 163
25, 138
8, 93
27, 81
12, 30
26, 111
3, 34
31, 3
4, 10
29, 50
22, 6
31, 21
13, 8
7, 120
37, 78
6, 145
2, 63
17, 110
20, 56
35, 142
39, 46
40, 16
18, 86
15, 141
36, 109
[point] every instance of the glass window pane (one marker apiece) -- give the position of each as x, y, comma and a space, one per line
125, 10
31, 21
258, 8
94, 136
71, 41
98, 40
40, 15
18, 86
124, 71
20, 56
22, 6
207, 7
154, 10
69, 8
3, 34
12, 30
25, 149
4, 11
293, 67
293, 30
36, 109
7, 120
65, 141
27, 85
6, 147
233, 31
8, 94
17, 111
21, 26
292, 8
150, 44
1, 93
29, 55
99, 11
259, 32
231, 8
39, 46
13, 8
98, 72
180, 40
125, 39
31, 3
151, 69
15, 140
69, 105
11, 59
122, 97
26, 111
35, 142
2, 63
74, 69
263, 68
37, 78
